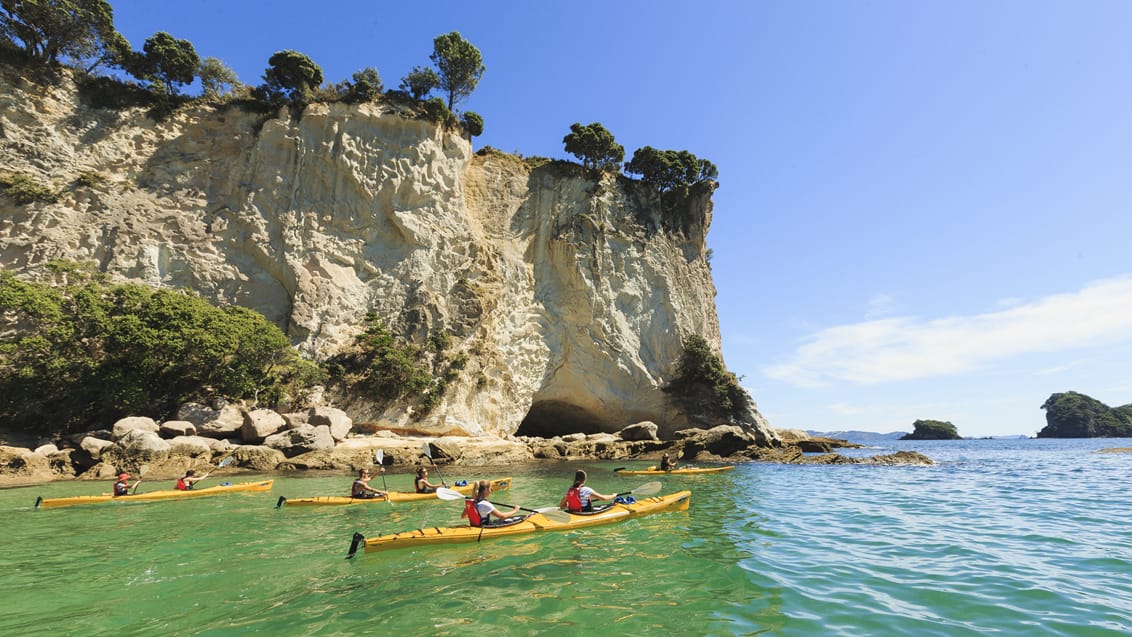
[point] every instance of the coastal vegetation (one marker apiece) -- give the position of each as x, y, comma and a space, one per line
1074, 415
385, 367
932, 430
705, 386
594, 146
86, 352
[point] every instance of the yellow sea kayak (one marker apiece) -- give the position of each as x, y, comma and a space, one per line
530, 524
653, 471
153, 496
395, 496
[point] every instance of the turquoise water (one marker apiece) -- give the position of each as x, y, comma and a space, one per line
1018, 537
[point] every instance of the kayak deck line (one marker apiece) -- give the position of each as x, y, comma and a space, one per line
394, 496
156, 496
529, 524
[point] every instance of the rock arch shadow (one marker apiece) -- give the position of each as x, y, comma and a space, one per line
549, 418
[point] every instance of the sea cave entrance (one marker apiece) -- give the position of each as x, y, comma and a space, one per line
550, 418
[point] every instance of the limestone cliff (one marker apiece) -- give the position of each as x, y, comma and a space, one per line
569, 301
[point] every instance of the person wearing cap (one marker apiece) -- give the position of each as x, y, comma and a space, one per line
666, 463
123, 486
361, 488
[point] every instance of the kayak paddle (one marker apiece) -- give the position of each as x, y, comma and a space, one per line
379, 460
647, 488
142, 469
551, 513
224, 462
427, 451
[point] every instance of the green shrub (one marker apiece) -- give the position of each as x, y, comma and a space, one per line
83, 355
436, 110
703, 385
473, 123
90, 179
25, 190
381, 365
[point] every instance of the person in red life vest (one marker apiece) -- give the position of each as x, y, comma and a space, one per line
579, 498
123, 486
361, 488
479, 509
421, 482
186, 482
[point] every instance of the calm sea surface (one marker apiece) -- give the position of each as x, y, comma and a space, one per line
1006, 537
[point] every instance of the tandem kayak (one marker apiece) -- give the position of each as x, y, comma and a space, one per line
152, 496
394, 496
529, 524
653, 471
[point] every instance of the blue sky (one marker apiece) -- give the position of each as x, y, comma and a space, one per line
924, 209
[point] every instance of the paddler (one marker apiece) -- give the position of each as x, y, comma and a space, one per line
479, 509
421, 483
579, 498
666, 463
123, 486
186, 482
361, 488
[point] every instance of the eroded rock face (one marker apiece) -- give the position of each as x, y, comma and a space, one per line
566, 295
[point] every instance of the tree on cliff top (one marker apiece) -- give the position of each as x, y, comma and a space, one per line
290, 76
419, 82
460, 66
168, 61
594, 145
670, 170
217, 78
48, 29
932, 430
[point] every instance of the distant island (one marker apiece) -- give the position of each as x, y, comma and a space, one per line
1074, 415
932, 430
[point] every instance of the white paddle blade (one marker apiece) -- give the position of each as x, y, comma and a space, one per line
647, 488
426, 450
225, 462
555, 514
379, 457
449, 494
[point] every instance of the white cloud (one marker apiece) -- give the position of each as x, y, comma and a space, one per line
880, 305
904, 348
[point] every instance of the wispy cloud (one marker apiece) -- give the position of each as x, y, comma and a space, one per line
880, 305
903, 348
844, 409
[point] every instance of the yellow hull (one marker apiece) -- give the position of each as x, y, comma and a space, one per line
154, 496
532, 523
653, 471
395, 496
